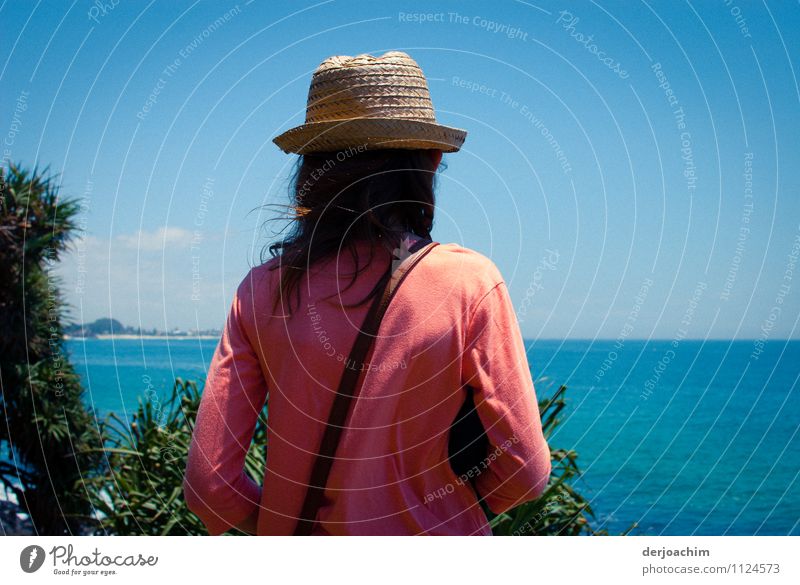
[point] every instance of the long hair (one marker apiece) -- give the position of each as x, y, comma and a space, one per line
356, 194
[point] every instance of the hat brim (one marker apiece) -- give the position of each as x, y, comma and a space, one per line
370, 133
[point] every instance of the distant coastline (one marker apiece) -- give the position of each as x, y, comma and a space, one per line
168, 336
113, 329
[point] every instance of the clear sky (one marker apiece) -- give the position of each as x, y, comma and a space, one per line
631, 168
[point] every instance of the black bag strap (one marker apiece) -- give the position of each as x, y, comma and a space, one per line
348, 386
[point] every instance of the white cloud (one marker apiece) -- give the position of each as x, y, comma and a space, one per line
160, 239
157, 278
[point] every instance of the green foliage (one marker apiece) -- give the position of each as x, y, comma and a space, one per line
45, 421
141, 490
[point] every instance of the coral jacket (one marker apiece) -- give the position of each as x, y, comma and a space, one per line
451, 323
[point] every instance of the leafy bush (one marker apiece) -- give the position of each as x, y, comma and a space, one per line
50, 432
140, 493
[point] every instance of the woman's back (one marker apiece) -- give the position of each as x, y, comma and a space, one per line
362, 187
451, 323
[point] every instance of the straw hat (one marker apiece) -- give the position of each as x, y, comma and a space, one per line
369, 102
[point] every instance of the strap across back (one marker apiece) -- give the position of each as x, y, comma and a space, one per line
349, 385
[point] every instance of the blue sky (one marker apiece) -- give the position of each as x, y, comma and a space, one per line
610, 210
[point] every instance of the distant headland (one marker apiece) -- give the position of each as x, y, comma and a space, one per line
111, 328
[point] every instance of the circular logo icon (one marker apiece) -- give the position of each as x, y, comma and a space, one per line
31, 558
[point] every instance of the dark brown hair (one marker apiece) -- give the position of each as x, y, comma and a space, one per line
356, 194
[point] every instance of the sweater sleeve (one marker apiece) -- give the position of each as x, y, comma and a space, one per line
518, 466
215, 484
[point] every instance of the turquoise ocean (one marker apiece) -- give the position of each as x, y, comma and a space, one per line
684, 438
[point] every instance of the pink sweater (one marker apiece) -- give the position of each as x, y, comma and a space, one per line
451, 323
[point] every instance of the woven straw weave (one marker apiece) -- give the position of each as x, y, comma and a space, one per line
369, 102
